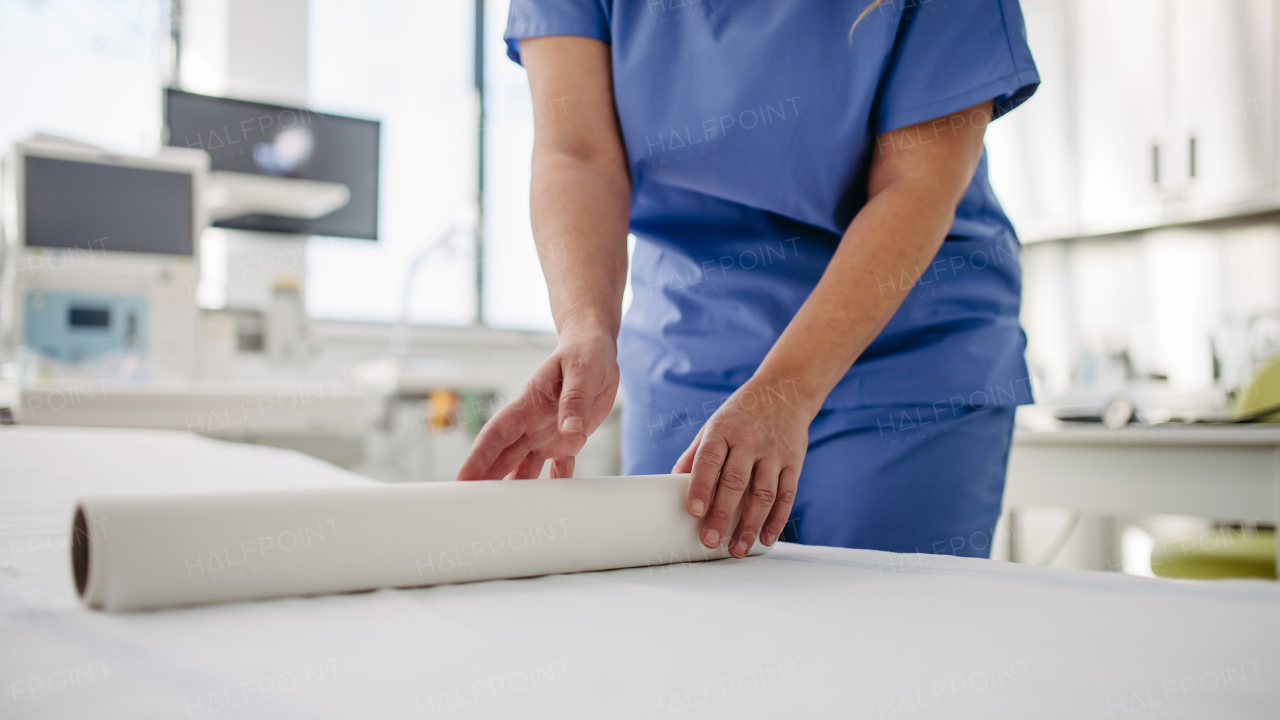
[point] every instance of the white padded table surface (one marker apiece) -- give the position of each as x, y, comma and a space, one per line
801, 632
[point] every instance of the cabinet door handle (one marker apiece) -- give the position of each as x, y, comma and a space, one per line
1155, 163
1191, 146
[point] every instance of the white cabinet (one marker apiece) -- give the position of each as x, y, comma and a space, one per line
1223, 71
1031, 152
1150, 113
1122, 117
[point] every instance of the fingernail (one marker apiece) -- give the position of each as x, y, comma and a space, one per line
711, 539
571, 424
698, 507
767, 538
741, 548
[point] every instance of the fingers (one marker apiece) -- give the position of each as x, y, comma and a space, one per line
509, 460
685, 463
788, 481
735, 477
760, 500
709, 458
497, 436
562, 467
576, 395
530, 467
568, 396
491, 454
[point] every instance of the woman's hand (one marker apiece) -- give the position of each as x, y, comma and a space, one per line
580, 203
564, 402
752, 447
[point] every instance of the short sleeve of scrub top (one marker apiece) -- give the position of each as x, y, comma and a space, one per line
584, 18
749, 128
954, 54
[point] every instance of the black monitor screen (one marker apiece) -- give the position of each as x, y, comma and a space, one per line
281, 141
91, 206
89, 317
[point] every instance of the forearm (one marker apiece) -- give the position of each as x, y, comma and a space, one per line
580, 208
913, 196
898, 232
580, 200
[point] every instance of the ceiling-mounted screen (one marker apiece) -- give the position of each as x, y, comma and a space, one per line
279, 141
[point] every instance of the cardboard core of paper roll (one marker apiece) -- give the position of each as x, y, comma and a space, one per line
80, 551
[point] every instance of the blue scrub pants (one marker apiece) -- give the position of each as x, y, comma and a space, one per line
903, 479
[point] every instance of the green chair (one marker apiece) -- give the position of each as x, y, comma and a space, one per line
1214, 554
1259, 400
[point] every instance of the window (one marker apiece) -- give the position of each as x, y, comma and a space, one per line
515, 291
90, 70
408, 64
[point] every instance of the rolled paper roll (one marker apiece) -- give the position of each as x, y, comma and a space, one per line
157, 551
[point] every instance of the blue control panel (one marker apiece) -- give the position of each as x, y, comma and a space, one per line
73, 327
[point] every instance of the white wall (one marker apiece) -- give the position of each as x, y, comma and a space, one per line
250, 49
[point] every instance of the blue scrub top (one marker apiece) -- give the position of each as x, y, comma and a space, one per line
749, 127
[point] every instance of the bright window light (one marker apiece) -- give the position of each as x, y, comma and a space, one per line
515, 291
409, 65
85, 69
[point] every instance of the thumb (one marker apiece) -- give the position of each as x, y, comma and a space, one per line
576, 394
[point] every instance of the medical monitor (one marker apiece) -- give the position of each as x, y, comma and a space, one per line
94, 200
286, 142
100, 206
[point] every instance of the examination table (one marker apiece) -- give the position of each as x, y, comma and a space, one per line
799, 632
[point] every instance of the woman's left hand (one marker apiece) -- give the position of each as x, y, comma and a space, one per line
752, 447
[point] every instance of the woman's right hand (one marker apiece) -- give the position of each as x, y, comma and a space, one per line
567, 398
580, 203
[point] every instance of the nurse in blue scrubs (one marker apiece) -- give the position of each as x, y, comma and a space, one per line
824, 327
